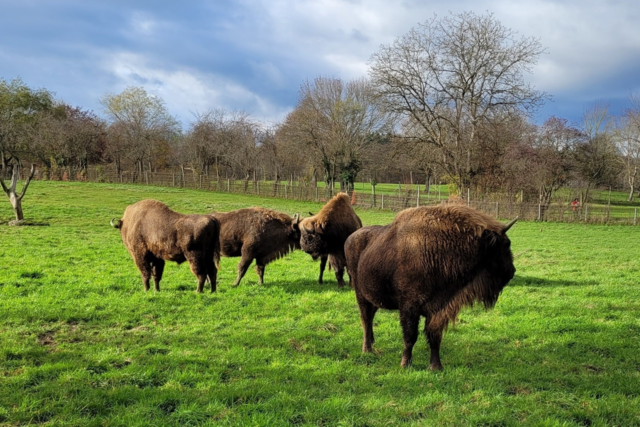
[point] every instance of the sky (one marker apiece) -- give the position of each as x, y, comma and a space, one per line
253, 55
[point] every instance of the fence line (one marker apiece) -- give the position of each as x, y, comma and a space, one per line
555, 212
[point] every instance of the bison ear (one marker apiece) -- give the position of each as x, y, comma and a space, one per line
506, 227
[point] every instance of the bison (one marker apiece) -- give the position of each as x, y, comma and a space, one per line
430, 261
153, 234
323, 235
257, 233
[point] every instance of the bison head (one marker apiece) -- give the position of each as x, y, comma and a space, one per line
498, 259
311, 237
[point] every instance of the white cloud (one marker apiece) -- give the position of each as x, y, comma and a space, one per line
143, 24
186, 92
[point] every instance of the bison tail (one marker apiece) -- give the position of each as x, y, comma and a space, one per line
216, 254
116, 224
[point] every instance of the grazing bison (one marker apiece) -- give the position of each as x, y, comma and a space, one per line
257, 233
430, 261
323, 235
153, 234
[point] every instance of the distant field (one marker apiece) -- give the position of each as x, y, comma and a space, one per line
81, 343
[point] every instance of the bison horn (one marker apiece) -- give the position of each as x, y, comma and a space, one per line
307, 229
508, 226
296, 218
112, 224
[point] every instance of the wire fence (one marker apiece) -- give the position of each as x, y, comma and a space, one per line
558, 211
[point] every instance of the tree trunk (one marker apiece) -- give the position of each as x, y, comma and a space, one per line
14, 197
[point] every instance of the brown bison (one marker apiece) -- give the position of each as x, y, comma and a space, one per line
323, 235
153, 234
257, 233
430, 261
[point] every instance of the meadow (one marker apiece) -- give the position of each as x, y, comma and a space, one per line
81, 343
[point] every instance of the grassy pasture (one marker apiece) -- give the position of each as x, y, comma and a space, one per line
81, 344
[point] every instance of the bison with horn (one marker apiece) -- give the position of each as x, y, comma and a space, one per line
430, 262
323, 235
257, 233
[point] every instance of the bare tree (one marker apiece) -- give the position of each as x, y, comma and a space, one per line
12, 193
337, 121
452, 75
142, 122
206, 142
541, 161
218, 138
628, 144
596, 159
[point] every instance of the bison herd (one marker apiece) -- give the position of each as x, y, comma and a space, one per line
429, 262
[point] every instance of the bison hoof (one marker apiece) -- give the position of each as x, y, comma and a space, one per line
406, 363
434, 367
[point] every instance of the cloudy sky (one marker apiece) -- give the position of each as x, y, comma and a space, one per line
253, 55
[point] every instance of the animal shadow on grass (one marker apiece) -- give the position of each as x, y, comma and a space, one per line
24, 223
539, 282
298, 286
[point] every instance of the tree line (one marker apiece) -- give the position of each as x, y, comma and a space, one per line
448, 102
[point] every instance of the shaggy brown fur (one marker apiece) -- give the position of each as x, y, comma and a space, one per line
153, 234
430, 261
324, 234
257, 233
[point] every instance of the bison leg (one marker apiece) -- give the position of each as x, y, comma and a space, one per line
260, 264
145, 269
434, 337
212, 274
243, 266
157, 268
199, 267
409, 320
323, 265
367, 312
338, 262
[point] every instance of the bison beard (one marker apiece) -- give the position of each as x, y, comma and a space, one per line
430, 261
153, 234
323, 235
257, 233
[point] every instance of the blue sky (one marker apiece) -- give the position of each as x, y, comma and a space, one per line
253, 55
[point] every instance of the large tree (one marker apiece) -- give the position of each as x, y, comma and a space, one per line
336, 121
450, 76
596, 157
20, 106
65, 138
141, 123
541, 162
222, 139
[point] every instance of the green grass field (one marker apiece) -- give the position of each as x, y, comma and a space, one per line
81, 343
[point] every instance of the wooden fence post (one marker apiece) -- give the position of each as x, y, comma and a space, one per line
418, 196
382, 202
